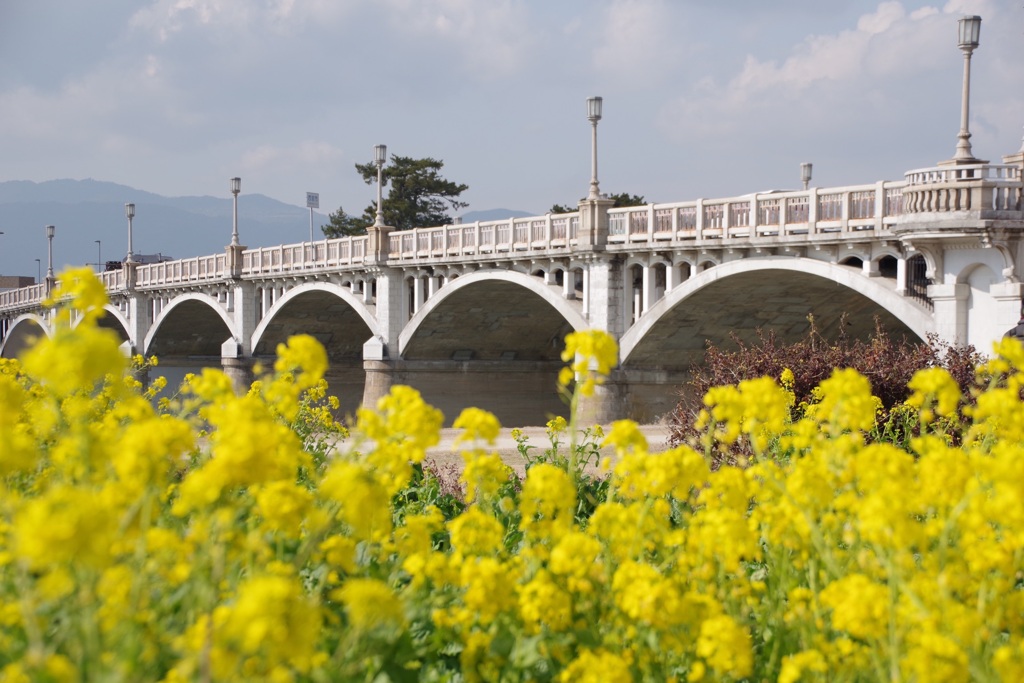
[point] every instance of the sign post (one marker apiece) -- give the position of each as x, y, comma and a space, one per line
313, 202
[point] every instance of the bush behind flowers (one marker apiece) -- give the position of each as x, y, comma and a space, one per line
889, 364
201, 539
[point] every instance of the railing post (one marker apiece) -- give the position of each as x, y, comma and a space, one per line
378, 244
593, 233
699, 219
844, 212
812, 211
234, 261
650, 223
880, 205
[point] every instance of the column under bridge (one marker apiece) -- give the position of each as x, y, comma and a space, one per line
476, 314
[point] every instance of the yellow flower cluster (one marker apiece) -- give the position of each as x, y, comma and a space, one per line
593, 354
133, 549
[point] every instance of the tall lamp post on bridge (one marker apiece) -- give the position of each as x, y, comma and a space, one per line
50, 230
968, 35
594, 105
805, 173
236, 187
129, 212
380, 157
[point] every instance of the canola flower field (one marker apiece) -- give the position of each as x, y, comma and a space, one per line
207, 535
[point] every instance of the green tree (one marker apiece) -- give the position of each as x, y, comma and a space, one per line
418, 197
344, 225
621, 199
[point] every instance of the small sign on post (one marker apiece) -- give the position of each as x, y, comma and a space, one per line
313, 202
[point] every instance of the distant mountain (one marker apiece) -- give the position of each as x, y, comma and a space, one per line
85, 211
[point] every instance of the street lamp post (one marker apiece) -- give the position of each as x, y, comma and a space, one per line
129, 212
99, 256
968, 34
805, 173
236, 187
594, 105
380, 156
50, 230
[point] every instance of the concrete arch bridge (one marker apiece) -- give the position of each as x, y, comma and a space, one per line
477, 314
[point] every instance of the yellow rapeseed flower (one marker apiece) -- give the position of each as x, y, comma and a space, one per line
593, 354
370, 604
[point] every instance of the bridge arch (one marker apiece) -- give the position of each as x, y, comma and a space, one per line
113, 319
22, 333
338, 319
491, 339
202, 343
567, 309
303, 291
850, 286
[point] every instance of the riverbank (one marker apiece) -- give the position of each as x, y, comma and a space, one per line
447, 453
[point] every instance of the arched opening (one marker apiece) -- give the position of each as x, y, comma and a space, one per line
337, 326
188, 338
658, 353
494, 344
887, 267
917, 280
853, 262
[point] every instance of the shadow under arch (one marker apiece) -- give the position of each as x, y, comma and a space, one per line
740, 297
198, 337
454, 289
338, 319
114, 320
23, 333
491, 339
187, 336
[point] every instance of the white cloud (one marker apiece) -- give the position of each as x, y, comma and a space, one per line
832, 71
637, 44
887, 14
304, 154
164, 18
494, 38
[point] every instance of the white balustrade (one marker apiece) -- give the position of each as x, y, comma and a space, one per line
789, 216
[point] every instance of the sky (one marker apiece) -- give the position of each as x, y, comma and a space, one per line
702, 98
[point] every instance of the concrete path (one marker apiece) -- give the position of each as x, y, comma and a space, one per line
447, 453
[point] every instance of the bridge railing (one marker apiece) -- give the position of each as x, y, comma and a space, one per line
332, 253
113, 280
548, 232
807, 212
182, 271
986, 188
23, 297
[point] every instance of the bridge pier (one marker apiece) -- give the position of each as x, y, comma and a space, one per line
240, 371
379, 380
